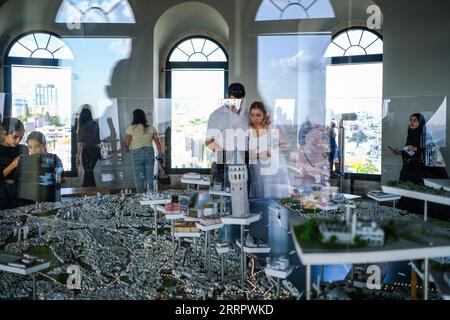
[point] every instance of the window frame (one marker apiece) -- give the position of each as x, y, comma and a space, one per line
368, 58
169, 66
9, 62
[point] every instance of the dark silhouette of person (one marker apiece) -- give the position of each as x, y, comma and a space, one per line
88, 152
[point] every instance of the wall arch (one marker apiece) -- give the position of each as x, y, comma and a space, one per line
203, 20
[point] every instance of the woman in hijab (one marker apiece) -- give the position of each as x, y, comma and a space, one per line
413, 154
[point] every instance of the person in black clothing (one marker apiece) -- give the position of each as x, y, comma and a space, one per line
413, 154
414, 169
88, 152
10, 152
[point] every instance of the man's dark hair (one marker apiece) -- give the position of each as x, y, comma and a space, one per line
236, 90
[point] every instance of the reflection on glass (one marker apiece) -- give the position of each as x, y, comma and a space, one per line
436, 137
346, 93
106, 11
198, 50
41, 99
270, 10
40, 45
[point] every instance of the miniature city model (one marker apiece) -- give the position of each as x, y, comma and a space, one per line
365, 229
117, 255
239, 196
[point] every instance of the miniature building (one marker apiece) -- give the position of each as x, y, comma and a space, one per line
239, 196
366, 229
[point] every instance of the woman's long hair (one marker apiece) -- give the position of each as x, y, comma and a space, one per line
260, 106
139, 117
85, 115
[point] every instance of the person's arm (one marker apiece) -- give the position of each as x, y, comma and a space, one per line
127, 142
13, 165
211, 145
80, 148
158, 143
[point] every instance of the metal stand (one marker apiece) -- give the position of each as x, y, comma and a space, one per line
173, 243
243, 258
425, 211
33, 276
425, 280
308, 282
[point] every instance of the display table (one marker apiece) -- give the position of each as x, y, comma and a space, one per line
5, 259
426, 197
386, 197
241, 221
279, 275
207, 230
172, 217
153, 204
401, 250
437, 277
197, 182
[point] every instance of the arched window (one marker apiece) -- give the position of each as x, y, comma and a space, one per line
356, 42
354, 85
196, 79
106, 11
39, 90
271, 10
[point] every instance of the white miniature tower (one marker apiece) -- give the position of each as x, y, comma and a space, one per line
354, 226
239, 196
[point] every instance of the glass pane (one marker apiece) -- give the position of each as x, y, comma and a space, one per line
42, 100
54, 44
294, 12
375, 48
347, 94
178, 56
42, 39
355, 36
29, 42
198, 44
267, 11
195, 96
355, 51
198, 57
64, 53
42, 53
18, 50
334, 51
342, 41
94, 15
368, 38
217, 56
209, 47
122, 13
107, 5
68, 13
186, 47
320, 9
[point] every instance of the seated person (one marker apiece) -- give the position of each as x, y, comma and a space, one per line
41, 173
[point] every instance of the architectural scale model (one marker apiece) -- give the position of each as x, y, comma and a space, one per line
239, 194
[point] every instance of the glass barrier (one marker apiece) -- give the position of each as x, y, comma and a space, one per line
416, 143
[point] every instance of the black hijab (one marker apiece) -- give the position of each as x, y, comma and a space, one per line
416, 136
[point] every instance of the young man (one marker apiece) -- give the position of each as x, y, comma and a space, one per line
227, 134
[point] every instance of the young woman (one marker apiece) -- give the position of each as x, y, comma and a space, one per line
413, 154
267, 168
37, 144
10, 152
88, 152
139, 140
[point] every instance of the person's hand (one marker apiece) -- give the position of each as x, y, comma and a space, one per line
15, 163
160, 157
412, 148
264, 155
397, 152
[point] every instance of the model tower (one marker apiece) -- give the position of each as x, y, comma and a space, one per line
238, 183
